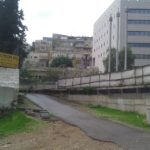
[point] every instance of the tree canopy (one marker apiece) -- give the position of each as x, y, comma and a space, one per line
130, 60
12, 30
61, 62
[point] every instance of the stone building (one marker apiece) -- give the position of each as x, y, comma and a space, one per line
44, 45
40, 55
77, 48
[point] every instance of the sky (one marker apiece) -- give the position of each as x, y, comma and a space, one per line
68, 17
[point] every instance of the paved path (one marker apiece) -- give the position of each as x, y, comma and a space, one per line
128, 138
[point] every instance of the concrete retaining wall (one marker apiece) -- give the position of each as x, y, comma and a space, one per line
7, 96
9, 86
136, 77
38, 87
126, 102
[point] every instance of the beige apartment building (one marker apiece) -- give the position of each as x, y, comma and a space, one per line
130, 28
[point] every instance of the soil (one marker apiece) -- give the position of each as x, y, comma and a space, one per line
54, 136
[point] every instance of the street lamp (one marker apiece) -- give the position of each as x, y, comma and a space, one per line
126, 40
110, 32
117, 49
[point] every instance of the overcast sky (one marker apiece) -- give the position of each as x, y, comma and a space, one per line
69, 17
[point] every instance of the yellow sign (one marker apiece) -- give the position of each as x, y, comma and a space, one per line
9, 61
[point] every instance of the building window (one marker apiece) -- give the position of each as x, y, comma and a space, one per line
93, 61
139, 33
147, 22
141, 11
144, 45
142, 56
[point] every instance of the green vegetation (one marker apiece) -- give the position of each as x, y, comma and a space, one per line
88, 89
62, 62
12, 29
130, 57
15, 122
53, 74
131, 118
24, 73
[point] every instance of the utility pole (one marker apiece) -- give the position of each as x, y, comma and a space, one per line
110, 32
126, 40
117, 49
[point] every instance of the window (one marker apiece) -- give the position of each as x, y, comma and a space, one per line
142, 56
113, 37
147, 22
93, 61
139, 33
140, 11
145, 45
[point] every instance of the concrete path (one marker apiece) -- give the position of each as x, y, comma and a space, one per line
100, 129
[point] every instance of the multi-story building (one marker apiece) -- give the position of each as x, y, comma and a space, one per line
37, 60
130, 28
77, 48
44, 45
40, 54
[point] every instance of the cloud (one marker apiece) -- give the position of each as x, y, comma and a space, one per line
71, 17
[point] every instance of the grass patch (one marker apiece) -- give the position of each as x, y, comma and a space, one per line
131, 118
16, 122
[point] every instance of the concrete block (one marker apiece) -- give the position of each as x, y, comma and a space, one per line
148, 115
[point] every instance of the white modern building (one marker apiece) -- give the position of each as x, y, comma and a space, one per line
131, 28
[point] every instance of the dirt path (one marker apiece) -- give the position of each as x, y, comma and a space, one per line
54, 136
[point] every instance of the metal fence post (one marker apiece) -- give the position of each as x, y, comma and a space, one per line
99, 80
80, 81
135, 75
90, 81
72, 82
142, 75
65, 82
109, 79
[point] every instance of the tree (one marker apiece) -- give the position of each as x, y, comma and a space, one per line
53, 75
12, 30
76, 62
24, 73
113, 59
61, 61
130, 61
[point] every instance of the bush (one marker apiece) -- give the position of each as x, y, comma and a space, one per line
61, 62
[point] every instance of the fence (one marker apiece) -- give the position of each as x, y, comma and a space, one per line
137, 77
